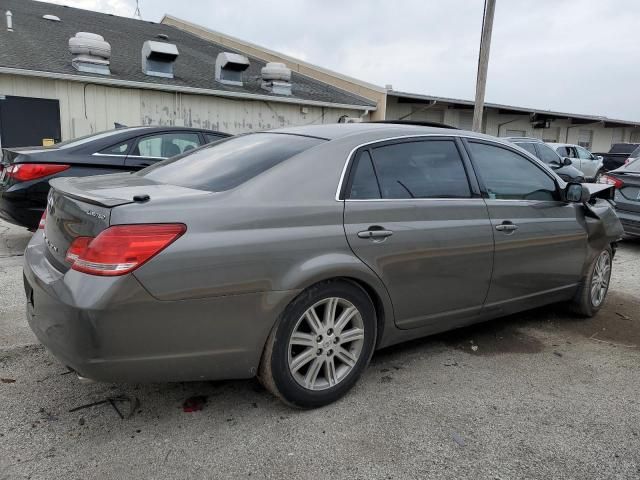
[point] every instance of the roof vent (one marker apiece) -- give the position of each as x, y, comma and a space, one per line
276, 78
158, 58
229, 68
91, 53
53, 18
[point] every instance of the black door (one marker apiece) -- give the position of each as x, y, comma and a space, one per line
26, 121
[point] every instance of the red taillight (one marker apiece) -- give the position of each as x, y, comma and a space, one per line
30, 171
609, 180
122, 248
43, 220
77, 248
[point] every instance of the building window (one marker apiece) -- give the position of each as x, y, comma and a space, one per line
585, 138
516, 133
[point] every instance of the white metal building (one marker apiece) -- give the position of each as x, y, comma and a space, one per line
135, 72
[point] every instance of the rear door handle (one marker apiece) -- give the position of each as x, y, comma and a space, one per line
375, 233
506, 226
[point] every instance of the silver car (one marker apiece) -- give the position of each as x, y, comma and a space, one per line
582, 159
294, 254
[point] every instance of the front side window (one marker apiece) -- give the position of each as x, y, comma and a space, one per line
547, 154
583, 154
165, 145
420, 169
226, 164
509, 176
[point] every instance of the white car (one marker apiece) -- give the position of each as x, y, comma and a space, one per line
581, 158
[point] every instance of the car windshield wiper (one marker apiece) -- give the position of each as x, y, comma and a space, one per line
407, 189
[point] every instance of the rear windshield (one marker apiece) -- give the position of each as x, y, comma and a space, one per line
633, 166
230, 162
623, 147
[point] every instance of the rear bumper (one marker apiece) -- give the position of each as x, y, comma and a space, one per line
112, 329
630, 222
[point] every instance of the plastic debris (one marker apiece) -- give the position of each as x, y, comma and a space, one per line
458, 439
474, 348
194, 404
8, 380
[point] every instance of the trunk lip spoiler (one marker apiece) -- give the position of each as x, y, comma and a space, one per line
63, 186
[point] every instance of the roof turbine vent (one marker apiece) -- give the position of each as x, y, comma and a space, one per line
158, 58
276, 78
91, 54
229, 68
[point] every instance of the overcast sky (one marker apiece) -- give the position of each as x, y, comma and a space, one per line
578, 56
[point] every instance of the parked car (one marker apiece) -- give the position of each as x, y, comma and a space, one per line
581, 158
562, 166
619, 154
294, 254
626, 180
25, 172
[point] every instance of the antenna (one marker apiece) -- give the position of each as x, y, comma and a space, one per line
137, 14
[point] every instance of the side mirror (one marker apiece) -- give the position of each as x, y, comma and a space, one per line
554, 164
566, 161
599, 157
576, 193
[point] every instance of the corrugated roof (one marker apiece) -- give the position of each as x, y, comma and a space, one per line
41, 45
551, 113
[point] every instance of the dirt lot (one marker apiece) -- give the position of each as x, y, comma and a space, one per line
544, 395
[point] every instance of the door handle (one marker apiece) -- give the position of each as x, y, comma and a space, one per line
375, 233
506, 226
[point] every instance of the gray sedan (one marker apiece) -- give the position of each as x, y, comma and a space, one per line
294, 254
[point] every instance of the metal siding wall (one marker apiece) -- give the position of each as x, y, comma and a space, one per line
106, 105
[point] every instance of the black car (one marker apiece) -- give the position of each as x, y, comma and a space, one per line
619, 154
25, 172
626, 180
562, 166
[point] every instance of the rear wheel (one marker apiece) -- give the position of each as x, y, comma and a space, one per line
595, 285
321, 346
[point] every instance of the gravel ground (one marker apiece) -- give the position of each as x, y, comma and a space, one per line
544, 395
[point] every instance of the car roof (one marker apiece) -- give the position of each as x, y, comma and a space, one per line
341, 130
522, 139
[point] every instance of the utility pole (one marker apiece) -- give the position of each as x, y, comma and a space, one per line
483, 63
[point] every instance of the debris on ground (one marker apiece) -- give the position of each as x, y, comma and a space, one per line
451, 363
8, 380
474, 348
458, 439
133, 403
623, 316
557, 353
194, 404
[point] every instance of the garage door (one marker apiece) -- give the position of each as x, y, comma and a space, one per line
26, 121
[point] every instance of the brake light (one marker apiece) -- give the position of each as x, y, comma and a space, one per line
122, 248
30, 171
43, 220
609, 180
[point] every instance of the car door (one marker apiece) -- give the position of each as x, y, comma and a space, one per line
588, 162
540, 246
156, 147
414, 215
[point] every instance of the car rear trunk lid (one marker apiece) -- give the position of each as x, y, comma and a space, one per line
82, 206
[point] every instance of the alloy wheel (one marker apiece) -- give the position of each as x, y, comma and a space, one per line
600, 278
326, 343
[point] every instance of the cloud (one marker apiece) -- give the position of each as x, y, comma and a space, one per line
573, 55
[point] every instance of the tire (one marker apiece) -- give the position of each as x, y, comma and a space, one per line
297, 368
590, 297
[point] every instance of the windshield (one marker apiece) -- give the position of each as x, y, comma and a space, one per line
228, 163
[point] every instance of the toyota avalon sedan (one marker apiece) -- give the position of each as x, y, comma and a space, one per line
294, 254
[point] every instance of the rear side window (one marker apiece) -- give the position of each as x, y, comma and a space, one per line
210, 137
509, 176
229, 163
365, 184
424, 169
165, 145
120, 149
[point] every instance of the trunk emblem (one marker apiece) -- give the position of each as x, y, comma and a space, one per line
50, 245
100, 216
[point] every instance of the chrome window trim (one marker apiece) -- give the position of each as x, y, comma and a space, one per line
145, 156
98, 154
437, 199
380, 140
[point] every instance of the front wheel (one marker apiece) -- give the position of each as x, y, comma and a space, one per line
594, 288
321, 345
